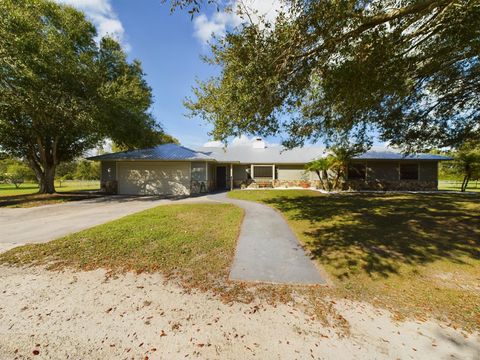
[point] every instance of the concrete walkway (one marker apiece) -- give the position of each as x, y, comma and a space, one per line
267, 249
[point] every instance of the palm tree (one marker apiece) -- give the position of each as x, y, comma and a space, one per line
337, 163
321, 167
342, 155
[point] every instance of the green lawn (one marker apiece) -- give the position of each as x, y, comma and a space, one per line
194, 243
456, 184
64, 186
26, 195
415, 254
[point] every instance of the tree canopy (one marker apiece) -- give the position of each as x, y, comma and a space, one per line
61, 92
408, 71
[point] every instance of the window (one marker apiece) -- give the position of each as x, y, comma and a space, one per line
198, 171
357, 171
263, 172
408, 171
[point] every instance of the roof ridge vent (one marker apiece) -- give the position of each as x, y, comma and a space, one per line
258, 143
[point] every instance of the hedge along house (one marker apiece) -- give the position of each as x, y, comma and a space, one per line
172, 169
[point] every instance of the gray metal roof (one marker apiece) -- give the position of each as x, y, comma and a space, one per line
391, 154
276, 154
166, 152
247, 154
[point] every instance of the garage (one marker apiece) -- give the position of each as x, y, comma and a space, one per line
153, 178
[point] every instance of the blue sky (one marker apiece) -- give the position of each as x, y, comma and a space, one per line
170, 55
169, 45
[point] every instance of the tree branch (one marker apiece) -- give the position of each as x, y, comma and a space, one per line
382, 19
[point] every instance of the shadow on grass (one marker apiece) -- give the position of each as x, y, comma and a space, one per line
377, 234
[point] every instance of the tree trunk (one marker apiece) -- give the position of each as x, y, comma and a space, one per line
46, 181
44, 168
321, 179
466, 179
337, 179
328, 187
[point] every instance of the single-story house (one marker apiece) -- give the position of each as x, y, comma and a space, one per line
171, 169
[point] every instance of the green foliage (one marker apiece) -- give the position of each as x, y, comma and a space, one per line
321, 167
333, 168
87, 170
465, 165
329, 69
17, 173
61, 93
467, 162
78, 170
66, 170
160, 138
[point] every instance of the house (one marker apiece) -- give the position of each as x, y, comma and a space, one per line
172, 169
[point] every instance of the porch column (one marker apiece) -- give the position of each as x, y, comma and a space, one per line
231, 176
207, 187
273, 174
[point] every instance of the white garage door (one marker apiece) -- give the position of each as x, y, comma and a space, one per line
157, 178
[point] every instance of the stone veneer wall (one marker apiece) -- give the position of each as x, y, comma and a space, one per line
109, 186
397, 185
295, 183
355, 185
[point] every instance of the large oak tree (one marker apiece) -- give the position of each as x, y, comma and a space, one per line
408, 70
61, 92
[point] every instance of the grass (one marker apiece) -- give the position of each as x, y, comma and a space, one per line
455, 185
417, 255
194, 243
26, 195
191, 244
64, 186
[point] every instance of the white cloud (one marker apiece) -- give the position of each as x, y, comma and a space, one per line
217, 25
215, 144
242, 140
101, 13
220, 21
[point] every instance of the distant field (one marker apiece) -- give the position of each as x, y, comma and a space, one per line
64, 186
455, 185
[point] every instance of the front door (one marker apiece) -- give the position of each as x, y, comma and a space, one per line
221, 177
